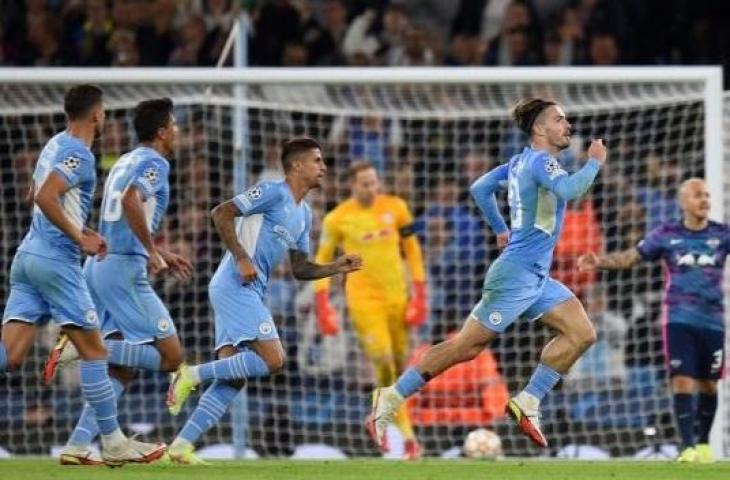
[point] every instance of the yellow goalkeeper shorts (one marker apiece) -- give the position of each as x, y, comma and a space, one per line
381, 329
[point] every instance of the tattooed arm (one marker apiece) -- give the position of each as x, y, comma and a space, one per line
303, 269
622, 260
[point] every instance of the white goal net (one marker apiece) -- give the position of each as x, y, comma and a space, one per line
429, 140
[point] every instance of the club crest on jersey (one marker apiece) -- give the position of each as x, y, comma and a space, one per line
266, 328
495, 318
71, 163
553, 168
91, 317
163, 324
254, 193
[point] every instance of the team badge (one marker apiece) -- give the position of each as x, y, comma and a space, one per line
163, 324
495, 318
266, 328
254, 193
713, 242
91, 317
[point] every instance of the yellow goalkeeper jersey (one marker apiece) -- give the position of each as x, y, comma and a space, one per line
374, 233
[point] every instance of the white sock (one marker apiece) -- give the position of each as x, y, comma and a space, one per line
194, 374
528, 402
114, 438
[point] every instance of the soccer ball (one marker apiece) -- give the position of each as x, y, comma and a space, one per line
482, 443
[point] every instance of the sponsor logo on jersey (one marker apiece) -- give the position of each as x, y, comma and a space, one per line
713, 242
553, 168
495, 318
266, 328
675, 241
284, 237
700, 260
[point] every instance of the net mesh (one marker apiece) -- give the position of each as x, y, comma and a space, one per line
428, 143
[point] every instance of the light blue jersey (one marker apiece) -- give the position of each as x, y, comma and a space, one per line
272, 223
537, 190
45, 276
149, 172
517, 283
70, 158
119, 284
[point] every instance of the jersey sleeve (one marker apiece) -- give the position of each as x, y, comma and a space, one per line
303, 240
548, 173
257, 199
483, 190
149, 177
652, 246
75, 166
404, 218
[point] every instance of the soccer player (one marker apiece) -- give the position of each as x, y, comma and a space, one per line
46, 279
693, 250
137, 327
518, 282
274, 219
376, 227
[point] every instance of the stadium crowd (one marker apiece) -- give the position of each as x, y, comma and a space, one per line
365, 32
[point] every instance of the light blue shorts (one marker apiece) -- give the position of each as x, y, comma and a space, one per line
240, 316
512, 291
126, 301
43, 288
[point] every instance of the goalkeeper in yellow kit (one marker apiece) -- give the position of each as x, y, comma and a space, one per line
379, 228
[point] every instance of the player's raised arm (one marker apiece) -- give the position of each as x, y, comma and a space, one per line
549, 174
48, 200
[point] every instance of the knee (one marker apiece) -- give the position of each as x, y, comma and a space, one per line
14, 362
585, 338
707, 387
683, 384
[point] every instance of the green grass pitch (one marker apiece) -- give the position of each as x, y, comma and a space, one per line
35, 468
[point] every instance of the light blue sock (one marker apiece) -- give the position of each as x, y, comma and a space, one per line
3, 358
542, 381
211, 407
409, 382
86, 428
242, 365
99, 393
134, 356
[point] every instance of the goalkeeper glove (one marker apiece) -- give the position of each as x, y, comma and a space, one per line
417, 309
327, 321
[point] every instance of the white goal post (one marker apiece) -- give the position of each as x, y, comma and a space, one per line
432, 126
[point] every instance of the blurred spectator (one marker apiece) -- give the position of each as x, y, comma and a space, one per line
516, 44
414, 50
465, 50
381, 42
371, 137
295, 55
276, 23
189, 51
324, 40
434, 17
123, 47
659, 195
95, 35
42, 48
156, 39
581, 234
603, 50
